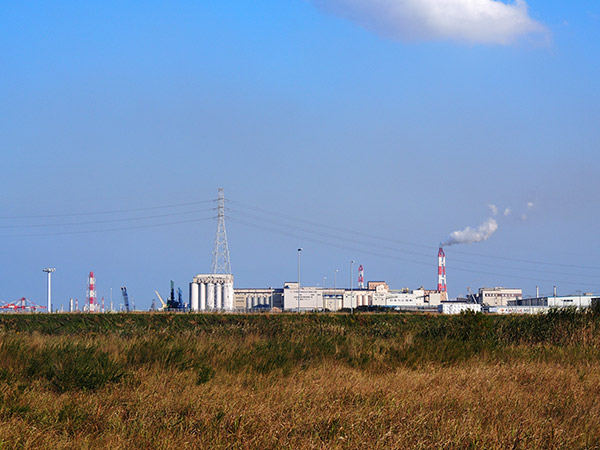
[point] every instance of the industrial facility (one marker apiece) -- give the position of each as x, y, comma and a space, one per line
215, 292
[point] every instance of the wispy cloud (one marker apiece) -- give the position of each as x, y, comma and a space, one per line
472, 21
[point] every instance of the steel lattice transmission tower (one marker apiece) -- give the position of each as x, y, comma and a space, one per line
220, 261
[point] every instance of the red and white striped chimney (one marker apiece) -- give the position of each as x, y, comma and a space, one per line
361, 277
91, 293
442, 271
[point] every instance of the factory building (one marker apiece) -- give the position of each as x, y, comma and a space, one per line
251, 298
213, 292
333, 299
377, 293
458, 307
311, 298
319, 299
497, 296
579, 300
406, 298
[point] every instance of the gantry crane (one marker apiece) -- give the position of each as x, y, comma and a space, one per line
125, 298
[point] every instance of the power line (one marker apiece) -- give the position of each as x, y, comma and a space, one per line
386, 239
95, 222
60, 233
321, 225
345, 247
117, 211
387, 247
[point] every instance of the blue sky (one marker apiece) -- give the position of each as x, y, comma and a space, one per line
317, 118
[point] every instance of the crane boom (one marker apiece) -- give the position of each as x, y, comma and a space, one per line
164, 305
125, 298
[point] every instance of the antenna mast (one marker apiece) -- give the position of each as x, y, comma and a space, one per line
220, 262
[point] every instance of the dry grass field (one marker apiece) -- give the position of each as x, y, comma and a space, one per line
169, 381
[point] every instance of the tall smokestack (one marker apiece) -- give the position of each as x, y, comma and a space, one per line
442, 271
361, 277
91, 293
537, 292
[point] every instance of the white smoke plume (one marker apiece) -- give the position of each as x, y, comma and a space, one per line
470, 235
472, 21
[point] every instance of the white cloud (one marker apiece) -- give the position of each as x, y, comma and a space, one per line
529, 205
473, 21
507, 212
493, 208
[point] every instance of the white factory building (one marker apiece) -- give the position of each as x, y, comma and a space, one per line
212, 292
262, 298
584, 300
497, 296
377, 293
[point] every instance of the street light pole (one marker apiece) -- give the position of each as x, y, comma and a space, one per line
334, 291
351, 292
49, 271
335, 278
299, 251
323, 296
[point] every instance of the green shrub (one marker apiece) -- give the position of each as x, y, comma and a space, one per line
204, 375
163, 353
71, 366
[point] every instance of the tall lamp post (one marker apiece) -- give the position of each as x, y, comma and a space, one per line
323, 296
334, 291
49, 271
351, 292
299, 251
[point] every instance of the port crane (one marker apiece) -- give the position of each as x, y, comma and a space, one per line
125, 298
21, 305
164, 305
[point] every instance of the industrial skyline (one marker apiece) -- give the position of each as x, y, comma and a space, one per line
360, 243
332, 127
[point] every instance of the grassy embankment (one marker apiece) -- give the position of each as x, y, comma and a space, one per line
312, 381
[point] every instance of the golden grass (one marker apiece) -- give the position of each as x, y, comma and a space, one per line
238, 386
472, 405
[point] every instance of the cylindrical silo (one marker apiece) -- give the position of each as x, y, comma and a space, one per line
202, 296
219, 292
210, 296
194, 297
228, 296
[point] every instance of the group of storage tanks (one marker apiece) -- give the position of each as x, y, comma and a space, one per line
211, 292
